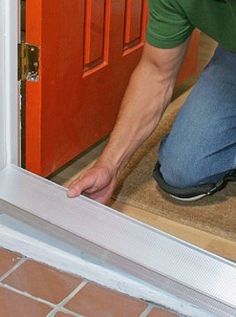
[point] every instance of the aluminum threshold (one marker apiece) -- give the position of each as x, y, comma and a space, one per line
156, 258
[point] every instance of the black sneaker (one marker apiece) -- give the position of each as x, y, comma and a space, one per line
192, 193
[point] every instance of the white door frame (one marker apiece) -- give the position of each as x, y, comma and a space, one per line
150, 256
3, 150
9, 113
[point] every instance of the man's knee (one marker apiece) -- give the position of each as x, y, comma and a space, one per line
179, 174
179, 169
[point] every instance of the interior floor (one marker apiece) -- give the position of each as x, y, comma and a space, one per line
205, 240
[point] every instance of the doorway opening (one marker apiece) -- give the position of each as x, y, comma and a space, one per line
66, 172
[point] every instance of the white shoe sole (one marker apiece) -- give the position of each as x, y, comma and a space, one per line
189, 199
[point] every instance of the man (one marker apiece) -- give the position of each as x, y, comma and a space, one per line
198, 157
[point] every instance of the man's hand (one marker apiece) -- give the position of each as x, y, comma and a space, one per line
97, 183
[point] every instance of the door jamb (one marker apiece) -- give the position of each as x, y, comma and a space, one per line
9, 116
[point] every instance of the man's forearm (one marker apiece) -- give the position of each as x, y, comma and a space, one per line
145, 100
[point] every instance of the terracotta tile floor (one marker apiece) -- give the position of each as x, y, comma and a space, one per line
118, 304
7, 261
31, 289
49, 284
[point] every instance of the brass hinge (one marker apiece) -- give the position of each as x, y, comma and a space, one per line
28, 64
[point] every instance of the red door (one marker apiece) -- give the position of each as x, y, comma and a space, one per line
88, 49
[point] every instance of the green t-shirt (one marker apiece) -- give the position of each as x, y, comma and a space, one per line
171, 22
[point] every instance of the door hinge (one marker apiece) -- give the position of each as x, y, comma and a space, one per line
28, 63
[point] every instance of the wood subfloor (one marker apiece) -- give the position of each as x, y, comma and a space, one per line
217, 245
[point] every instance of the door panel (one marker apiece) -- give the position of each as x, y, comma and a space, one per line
88, 49
97, 27
133, 23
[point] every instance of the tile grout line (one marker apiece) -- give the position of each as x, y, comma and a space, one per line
16, 266
60, 307
25, 294
147, 310
53, 313
66, 311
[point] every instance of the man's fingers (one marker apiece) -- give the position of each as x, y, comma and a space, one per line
79, 186
102, 196
95, 183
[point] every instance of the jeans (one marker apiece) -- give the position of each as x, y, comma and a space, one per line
201, 147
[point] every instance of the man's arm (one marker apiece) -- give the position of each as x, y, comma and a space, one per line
147, 96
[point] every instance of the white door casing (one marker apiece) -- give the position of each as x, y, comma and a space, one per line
2, 91
9, 114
